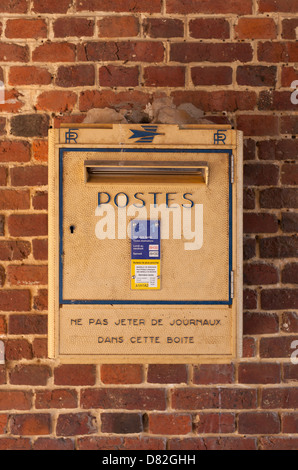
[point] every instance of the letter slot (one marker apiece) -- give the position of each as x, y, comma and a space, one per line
146, 172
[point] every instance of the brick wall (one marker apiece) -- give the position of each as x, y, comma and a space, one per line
235, 59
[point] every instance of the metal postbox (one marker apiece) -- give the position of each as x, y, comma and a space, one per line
145, 243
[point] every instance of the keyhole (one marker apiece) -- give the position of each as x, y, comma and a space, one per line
72, 228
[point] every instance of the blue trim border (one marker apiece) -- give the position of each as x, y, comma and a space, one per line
141, 302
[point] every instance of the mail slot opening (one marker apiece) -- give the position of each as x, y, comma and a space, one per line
130, 172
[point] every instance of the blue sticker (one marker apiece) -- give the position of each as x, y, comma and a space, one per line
145, 239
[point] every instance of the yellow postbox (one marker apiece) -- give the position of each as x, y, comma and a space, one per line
145, 243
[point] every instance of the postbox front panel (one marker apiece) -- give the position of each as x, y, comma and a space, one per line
194, 242
145, 256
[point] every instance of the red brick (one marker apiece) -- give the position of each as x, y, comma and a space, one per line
279, 247
215, 423
15, 444
142, 6
73, 27
210, 52
287, 6
36, 175
164, 76
18, 6
44, 443
278, 299
11, 104
113, 75
255, 323
289, 322
210, 6
13, 53
26, 28
59, 398
100, 99
29, 75
54, 52
3, 423
133, 51
17, 349
40, 301
249, 347
72, 374
40, 200
256, 28
260, 273
206, 374
76, 75
227, 100
278, 149
289, 28
23, 275
275, 100
258, 423
40, 249
213, 443
238, 398
249, 299
279, 397
249, 198
28, 225
277, 198
40, 150
71, 424
167, 373
280, 346
118, 26
11, 199
258, 125
58, 101
289, 125
118, 443
40, 348
2, 325
209, 28
271, 51
254, 373
2, 228
30, 424
290, 273
30, 375
173, 423
15, 400
27, 324
14, 250
30, 125
55, 6
121, 373
14, 151
289, 174
14, 300
121, 423
163, 27
3, 176
290, 423
288, 75
195, 398
259, 223
260, 174
211, 75
278, 443
256, 75
126, 398
290, 370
